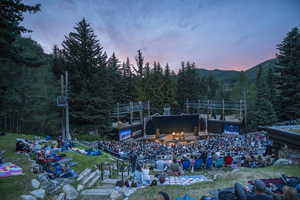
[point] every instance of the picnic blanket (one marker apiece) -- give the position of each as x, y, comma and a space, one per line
185, 180
10, 169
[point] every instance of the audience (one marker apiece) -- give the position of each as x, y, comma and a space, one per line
216, 151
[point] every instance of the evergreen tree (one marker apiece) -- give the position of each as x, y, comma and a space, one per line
115, 79
168, 87
11, 15
271, 85
29, 101
127, 82
90, 89
139, 77
264, 112
188, 85
288, 76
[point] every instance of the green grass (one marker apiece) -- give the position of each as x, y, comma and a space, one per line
11, 188
225, 179
14, 186
295, 130
88, 161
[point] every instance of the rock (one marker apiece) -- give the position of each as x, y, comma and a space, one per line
28, 197
282, 161
110, 181
83, 174
35, 183
127, 192
116, 195
88, 178
61, 196
93, 181
40, 193
96, 193
70, 191
80, 187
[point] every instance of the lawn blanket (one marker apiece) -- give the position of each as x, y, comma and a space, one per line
10, 169
185, 180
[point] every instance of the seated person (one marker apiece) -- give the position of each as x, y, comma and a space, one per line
146, 176
260, 192
289, 193
174, 169
228, 160
138, 175
220, 162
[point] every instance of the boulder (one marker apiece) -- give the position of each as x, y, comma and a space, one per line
40, 193
80, 187
116, 195
35, 183
28, 197
61, 196
110, 181
93, 181
89, 177
96, 193
282, 161
70, 191
83, 174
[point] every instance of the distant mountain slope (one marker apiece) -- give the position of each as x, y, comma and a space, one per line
251, 73
227, 76
230, 76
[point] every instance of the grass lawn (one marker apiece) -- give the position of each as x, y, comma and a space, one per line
87, 161
225, 179
295, 130
12, 187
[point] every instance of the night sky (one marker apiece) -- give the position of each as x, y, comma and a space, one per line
223, 34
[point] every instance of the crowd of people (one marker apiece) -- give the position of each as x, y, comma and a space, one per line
215, 151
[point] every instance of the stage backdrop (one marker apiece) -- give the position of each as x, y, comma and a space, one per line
173, 123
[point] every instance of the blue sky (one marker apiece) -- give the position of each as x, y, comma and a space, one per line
223, 34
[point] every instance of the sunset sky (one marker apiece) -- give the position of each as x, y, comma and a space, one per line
223, 34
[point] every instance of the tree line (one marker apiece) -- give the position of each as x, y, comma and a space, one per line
30, 81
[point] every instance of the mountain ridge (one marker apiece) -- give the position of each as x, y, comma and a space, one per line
231, 76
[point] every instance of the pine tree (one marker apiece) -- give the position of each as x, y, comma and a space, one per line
139, 77
90, 89
264, 112
288, 76
271, 86
115, 79
11, 15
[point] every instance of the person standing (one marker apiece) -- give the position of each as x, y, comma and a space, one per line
132, 160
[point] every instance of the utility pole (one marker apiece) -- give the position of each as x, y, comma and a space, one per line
67, 109
63, 130
241, 109
131, 112
62, 101
245, 109
223, 110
